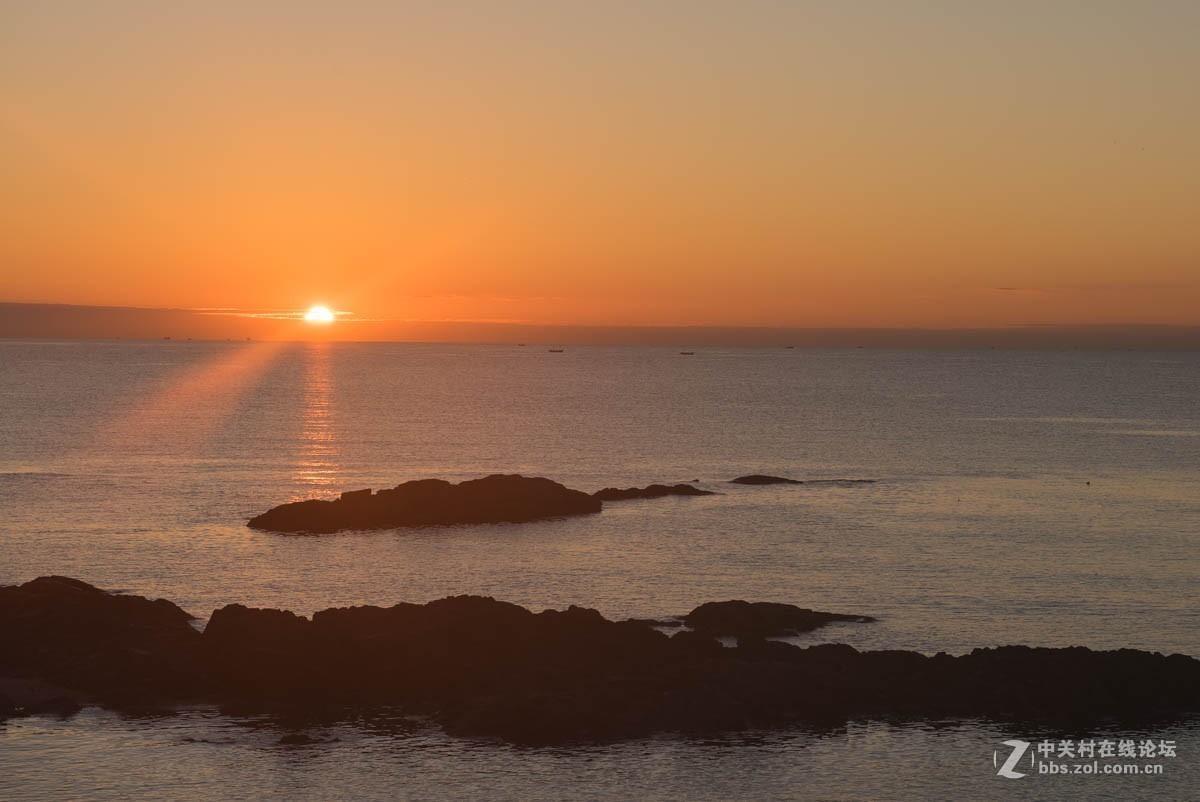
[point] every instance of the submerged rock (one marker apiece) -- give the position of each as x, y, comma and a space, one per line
745, 619
763, 479
500, 498
650, 491
483, 667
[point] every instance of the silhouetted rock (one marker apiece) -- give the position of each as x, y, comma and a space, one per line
24, 695
763, 479
501, 498
483, 667
55, 706
253, 652
650, 491
121, 649
761, 619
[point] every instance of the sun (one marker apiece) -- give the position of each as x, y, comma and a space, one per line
319, 314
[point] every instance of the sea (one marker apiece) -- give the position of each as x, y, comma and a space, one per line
1049, 498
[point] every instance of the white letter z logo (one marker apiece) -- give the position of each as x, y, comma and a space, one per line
1018, 749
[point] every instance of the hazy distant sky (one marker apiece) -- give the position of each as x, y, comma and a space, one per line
764, 163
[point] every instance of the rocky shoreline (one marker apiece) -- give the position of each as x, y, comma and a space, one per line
481, 667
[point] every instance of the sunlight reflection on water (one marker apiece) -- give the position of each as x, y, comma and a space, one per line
316, 470
1005, 512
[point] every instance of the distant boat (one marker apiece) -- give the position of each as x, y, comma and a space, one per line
556, 350
520, 345
688, 353
789, 347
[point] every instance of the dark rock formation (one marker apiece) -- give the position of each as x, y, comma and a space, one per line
501, 498
656, 622
650, 491
123, 650
745, 619
483, 667
23, 696
65, 705
763, 479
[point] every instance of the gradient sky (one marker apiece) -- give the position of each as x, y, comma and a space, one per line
734, 163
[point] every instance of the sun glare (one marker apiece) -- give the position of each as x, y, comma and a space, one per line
319, 314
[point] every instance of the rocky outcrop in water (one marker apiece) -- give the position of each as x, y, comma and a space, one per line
501, 498
650, 491
115, 648
483, 667
745, 619
763, 479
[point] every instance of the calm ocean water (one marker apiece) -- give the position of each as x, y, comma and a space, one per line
1047, 498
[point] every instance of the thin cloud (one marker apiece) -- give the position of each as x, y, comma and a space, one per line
267, 314
1021, 290
506, 299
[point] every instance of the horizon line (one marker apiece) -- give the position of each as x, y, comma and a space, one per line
345, 318
42, 321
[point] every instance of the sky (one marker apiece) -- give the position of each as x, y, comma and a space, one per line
782, 164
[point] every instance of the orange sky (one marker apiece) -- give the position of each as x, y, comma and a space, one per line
779, 164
